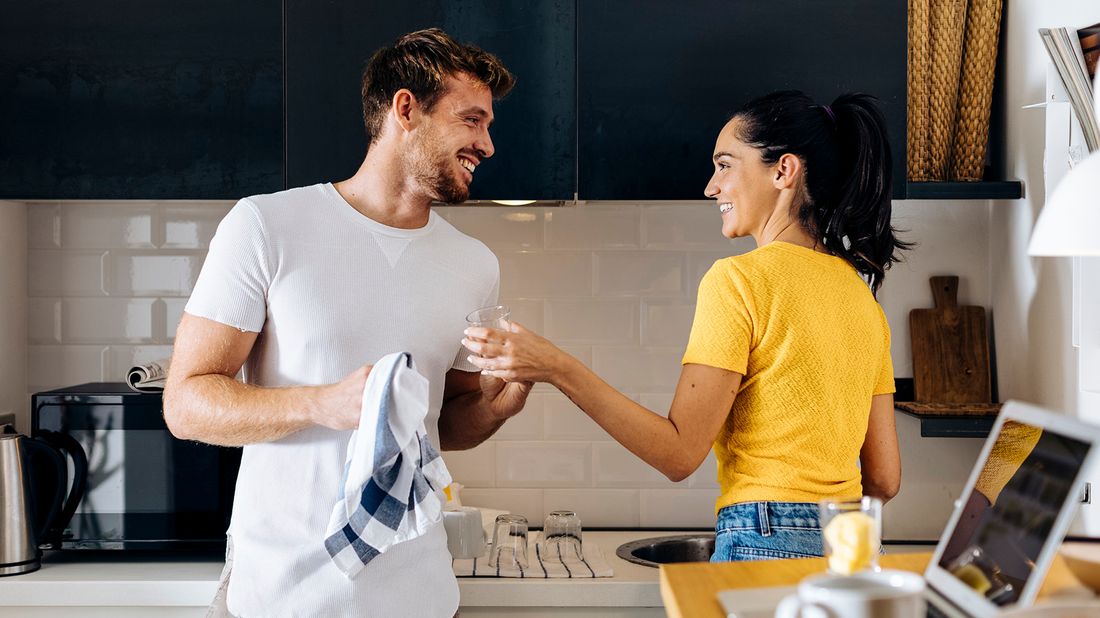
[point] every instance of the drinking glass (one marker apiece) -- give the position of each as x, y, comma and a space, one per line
561, 537
852, 531
509, 542
490, 317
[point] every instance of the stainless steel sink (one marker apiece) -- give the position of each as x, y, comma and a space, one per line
667, 549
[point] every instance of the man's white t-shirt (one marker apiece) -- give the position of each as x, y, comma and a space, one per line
330, 290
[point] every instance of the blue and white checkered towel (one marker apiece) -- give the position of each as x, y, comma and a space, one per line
393, 476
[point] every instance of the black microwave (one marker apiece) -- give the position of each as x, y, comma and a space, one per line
144, 488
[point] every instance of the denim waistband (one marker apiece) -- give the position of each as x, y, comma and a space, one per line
763, 516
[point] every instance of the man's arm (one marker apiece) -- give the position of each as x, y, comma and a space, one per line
203, 401
475, 406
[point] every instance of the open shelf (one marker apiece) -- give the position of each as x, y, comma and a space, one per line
961, 426
984, 190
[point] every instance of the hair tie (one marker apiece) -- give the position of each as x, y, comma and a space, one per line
829, 111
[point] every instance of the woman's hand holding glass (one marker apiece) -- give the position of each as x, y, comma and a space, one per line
516, 354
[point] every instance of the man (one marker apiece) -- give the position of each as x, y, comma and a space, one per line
304, 289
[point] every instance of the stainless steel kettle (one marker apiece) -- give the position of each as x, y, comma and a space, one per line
25, 513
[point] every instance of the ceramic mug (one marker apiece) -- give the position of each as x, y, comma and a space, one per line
867, 594
465, 533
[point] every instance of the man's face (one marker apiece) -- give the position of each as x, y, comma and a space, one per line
452, 140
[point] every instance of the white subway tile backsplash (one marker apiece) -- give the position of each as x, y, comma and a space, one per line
638, 369
674, 508
500, 228
528, 312
613, 285
545, 275
527, 425
597, 508
65, 273
54, 366
639, 273
120, 358
614, 466
565, 421
592, 320
173, 308
44, 321
526, 502
699, 264
475, 467
706, 477
667, 322
191, 225
43, 226
544, 464
684, 226
107, 226
108, 320
593, 227
152, 274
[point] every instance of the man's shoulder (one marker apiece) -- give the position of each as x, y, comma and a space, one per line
461, 244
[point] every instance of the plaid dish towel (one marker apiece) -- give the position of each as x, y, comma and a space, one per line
393, 476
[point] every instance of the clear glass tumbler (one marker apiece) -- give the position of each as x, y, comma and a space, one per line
509, 542
561, 537
852, 532
490, 317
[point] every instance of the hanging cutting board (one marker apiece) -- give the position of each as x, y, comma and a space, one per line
950, 349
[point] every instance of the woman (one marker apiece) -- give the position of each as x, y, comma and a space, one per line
787, 371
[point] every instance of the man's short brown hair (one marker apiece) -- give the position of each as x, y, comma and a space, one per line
422, 61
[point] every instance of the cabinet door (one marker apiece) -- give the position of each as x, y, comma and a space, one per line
329, 42
136, 99
659, 79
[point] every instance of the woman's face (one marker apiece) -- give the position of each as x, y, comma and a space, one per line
743, 185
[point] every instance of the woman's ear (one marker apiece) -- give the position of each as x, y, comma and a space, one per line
788, 172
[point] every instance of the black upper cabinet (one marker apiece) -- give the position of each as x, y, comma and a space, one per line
658, 79
328, 43
137, 99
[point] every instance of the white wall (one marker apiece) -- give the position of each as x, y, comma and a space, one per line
13, 312
612, 283
1031, 296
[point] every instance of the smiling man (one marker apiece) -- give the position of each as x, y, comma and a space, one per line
305, 290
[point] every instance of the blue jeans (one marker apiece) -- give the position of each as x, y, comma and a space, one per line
767, 531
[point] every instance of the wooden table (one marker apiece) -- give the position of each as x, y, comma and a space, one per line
689, 590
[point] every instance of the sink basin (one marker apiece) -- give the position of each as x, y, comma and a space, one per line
668, 549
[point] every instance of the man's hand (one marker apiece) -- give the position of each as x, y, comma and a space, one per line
340, 405
505, 399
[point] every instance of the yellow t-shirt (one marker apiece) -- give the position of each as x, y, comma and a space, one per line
814, 347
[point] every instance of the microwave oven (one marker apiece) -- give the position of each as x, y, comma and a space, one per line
145, 488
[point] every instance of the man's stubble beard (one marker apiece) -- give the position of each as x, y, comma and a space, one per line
431, 167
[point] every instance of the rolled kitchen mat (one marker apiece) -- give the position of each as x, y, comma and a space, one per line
948, 23
918, 164
983, 26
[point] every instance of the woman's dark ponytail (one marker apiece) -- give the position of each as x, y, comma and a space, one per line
848, 171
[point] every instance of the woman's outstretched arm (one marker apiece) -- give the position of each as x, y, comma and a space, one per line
675, 445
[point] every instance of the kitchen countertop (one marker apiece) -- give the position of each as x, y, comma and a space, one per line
71, 579
690, 590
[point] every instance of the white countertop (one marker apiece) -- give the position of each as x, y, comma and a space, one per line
77, 579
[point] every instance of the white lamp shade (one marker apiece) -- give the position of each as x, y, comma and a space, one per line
1069, 223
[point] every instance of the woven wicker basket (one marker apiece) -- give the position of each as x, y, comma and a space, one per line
918, 164
952, 60
983, 25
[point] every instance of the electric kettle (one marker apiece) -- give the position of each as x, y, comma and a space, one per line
34, 502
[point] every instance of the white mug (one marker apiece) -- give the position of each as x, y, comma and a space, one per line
868, 594
465, 533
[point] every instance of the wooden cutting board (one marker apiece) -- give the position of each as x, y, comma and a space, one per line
950, 349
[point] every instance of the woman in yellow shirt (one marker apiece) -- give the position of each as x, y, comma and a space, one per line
787, 372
